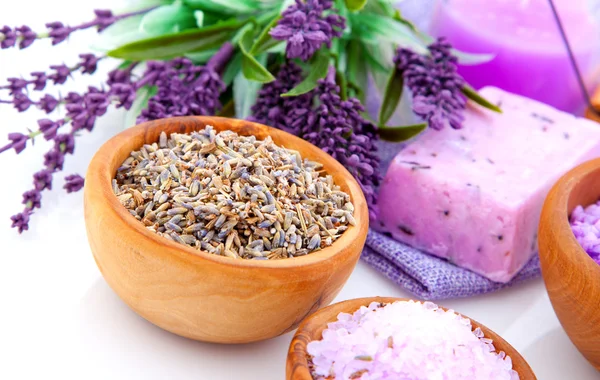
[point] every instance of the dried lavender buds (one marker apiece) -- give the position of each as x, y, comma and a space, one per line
233, 195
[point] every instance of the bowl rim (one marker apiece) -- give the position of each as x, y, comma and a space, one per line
100, 186
557, 203
297, 353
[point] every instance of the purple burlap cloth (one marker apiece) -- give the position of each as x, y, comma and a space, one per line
429, 277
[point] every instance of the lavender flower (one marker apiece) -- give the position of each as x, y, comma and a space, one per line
306, 29
277, 111
341, 131
21, 221
73, 183
335, 125
435, 84
184, 89
18, 142
57, 31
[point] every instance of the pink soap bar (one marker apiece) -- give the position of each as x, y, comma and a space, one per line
474, 196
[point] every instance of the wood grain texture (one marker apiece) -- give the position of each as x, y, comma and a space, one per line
596, 102
203, 296
312, 329
572, 278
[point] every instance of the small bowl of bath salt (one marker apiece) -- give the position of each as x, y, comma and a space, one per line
395, 338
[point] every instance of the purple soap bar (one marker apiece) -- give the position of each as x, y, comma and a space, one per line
474, 196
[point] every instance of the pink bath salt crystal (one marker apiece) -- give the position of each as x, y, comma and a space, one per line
406, 340
474, 196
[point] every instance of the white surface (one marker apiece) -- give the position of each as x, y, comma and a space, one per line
58, 316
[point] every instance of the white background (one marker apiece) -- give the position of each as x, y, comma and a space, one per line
59, 318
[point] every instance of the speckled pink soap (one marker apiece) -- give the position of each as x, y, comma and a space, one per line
474, 196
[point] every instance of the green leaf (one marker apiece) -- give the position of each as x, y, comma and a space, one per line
232, 69
472, 94
264, 41
245, 92
173, 45
201, 57
318, 68
356, 69
373, 29
401, 133
224, 6
355, 5
391, 96
168, 19
120, 33
141, 101
252, 69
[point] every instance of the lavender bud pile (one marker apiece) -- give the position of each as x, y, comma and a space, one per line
585, 223
233, 196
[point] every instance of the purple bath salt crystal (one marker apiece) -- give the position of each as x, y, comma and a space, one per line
406, 340
585, 223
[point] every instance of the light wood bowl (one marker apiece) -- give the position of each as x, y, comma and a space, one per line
572, 278
312, 329
199, 295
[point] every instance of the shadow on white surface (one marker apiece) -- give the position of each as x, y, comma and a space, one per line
573, 365
126, 346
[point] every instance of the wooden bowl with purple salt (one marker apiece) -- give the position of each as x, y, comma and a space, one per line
571, 275
388, 337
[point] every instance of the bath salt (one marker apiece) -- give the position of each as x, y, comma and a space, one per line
474, 196
406, 340
585, 223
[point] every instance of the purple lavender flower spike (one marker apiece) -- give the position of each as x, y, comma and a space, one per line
104, 19
306, 29
435, 84
74, 183
58, 32
42, 180
282, 112
21, 221
9, 37
32, 199
27, 35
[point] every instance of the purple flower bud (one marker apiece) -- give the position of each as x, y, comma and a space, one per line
21, 221
39, 80
10, 37
49, 128
48, 103
73, 98
19, 141
27, 36
21, 102
32, 199
16, 85
435, 84
74, 183
89, 63
104, 19
64, 144
54, 159
58, 32
43, 180
61, 73
306, 29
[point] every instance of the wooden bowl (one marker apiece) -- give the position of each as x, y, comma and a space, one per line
312, 329
571, 276
203, 296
